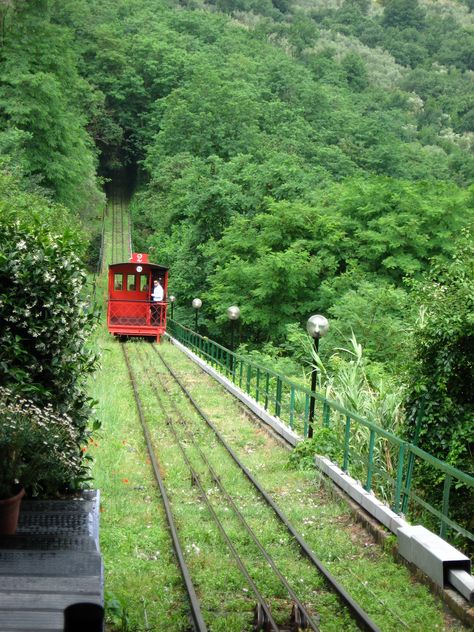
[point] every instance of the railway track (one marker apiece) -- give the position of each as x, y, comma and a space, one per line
277, 604
120, 247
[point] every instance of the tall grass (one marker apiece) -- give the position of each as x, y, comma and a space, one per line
349, 380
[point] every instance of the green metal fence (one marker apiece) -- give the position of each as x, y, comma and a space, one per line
383, 462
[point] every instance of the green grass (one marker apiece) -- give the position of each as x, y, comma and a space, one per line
140, 569
324, 522
139, 562
214, 570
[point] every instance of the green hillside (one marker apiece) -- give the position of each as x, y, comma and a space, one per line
289, 156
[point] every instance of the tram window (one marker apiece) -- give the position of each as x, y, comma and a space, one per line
118, 282
144, 283
131, 286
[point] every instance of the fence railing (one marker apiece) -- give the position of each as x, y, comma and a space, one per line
131, 312
384, 462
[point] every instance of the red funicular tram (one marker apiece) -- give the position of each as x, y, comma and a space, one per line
132, 308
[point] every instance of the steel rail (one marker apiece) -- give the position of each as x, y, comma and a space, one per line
197, 618
116, 255
229, 499
197, 480
121, 223
113, 231
99, 267
119, 218
130, 247
100, 262
103, 259
359, 615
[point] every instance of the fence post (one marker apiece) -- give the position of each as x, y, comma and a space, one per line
292, 405
278, 396
446, 490
347, 436
248, 378
267, 386
306, 415
370, 467
398, 488
325, 414
234, 362
411, 458
211, 353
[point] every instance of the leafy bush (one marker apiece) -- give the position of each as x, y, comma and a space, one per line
44, 319
443, 366
117, 613
39, 448
323, 442
442, 373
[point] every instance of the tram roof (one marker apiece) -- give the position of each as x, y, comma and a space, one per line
153, 266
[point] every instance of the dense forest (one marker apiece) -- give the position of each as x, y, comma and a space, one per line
289, 156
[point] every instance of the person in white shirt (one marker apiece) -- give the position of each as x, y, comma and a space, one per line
156, 297
157, 293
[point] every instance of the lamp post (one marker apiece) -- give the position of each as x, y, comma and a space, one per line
317, 327
197, 304
233, 313
172, 301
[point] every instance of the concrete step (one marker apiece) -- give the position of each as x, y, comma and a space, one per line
50, 563
48, 542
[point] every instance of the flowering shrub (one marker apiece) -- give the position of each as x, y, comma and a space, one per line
38, 448
44, 318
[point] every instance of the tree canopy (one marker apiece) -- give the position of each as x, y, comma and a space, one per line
291, 157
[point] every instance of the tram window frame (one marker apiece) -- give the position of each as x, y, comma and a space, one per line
118, 281
131, 280
144, 283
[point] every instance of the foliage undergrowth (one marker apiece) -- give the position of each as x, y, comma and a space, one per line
45, 318
441, 377
39, 449
322, 442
